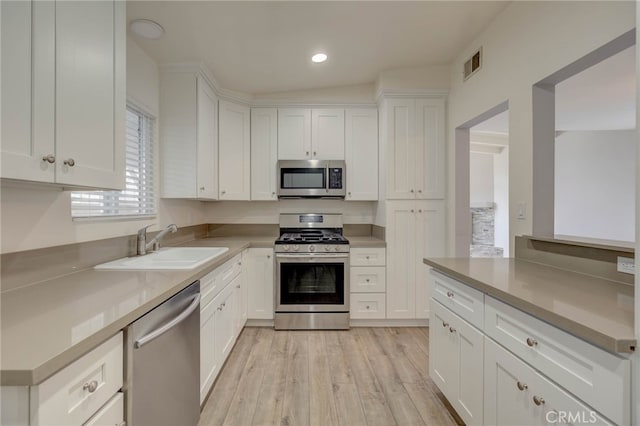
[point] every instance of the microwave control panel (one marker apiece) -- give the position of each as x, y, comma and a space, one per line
335, 178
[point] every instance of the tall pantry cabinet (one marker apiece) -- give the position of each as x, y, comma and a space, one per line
412, 152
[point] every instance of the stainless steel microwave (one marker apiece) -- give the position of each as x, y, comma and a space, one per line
311, 179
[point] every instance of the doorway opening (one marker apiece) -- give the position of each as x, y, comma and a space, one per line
482, 185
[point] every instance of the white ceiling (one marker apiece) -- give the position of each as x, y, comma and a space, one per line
265, 46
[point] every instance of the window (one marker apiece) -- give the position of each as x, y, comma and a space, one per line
138, 197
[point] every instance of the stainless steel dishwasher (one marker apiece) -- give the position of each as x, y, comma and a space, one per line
162, 377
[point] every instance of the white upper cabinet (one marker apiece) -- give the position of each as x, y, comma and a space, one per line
415, 141
305, 134
234, 151
294, 134
189, 132
327, 134
64, 99
264, 153
361, 154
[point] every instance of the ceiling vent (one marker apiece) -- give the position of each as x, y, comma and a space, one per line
473, 64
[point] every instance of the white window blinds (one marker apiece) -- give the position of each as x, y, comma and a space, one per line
138, 197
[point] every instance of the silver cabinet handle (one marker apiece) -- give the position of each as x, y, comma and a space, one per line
202, 188
419, 210
538, 400
420, 191
70, 162
368, 280
314, 153
168, 326
349, 194
531, 342
273, 193
268, 256
452, 330
449, 294
223, 192
90, 386
49, 158
412, 191
445, 324
220, 307
367, 257
412, 211
522, 386
307, 154
367, 307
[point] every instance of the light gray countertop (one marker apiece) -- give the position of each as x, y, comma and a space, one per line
48, 325
596, 310
364, 242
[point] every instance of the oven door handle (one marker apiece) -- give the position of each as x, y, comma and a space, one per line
313, 255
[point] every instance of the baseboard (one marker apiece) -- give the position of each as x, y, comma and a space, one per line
259, 323
389, 323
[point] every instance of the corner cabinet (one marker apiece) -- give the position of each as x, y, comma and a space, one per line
235, 151
189, 135
361, 154
415, 230
264, 153
414, 130
56, 96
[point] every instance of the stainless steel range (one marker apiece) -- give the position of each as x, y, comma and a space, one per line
312, 273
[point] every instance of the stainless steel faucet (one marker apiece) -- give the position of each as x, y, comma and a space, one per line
144, 246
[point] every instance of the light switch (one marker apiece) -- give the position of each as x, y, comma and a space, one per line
521, 211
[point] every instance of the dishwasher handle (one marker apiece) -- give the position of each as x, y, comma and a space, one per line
168, 326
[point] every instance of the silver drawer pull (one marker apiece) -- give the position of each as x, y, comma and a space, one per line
368, 280
367, 257
91, 386
49, 158
522, 386
445, 324
449, 294
238, 286
452, 330
538, 400
70, 162
531, 342
367, 307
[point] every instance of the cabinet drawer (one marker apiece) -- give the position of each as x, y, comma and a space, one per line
368, 306
460, 298
112, 414
229, 270
65, 398
368, 279
209, 288
367, 256
599, 378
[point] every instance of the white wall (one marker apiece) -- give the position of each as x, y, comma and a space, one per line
595, 184
480, 178
269, 211
36, 217
434, 77
501, 198
527, 42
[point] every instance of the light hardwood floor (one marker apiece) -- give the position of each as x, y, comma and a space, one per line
364, 376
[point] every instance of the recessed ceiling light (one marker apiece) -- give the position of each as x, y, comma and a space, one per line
319, 57
146, 28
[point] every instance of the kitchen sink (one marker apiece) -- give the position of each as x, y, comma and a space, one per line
171, 258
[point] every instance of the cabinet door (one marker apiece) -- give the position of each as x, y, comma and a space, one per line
208, 364
509, 387
430, 147
401, 148
401, 259
443, 366
327, 134
234, 151
264, 153
361, 154
28, 58
469, 350
294, 134
90, 93
224, 323
207, 142
259, 269
430, 242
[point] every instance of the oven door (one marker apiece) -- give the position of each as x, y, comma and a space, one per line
312, 282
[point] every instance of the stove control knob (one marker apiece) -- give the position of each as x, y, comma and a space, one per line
335, 248
285, 247
296, 247
327, 248
312, 248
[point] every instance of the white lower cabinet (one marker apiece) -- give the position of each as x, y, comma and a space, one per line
367, 305
455, 362
112, 414
208, 365
516, 394
368, 283
84, 391
259, 272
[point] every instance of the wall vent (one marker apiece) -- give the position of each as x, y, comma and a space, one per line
472, 65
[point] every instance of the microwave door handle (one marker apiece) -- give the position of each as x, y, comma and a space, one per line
326, 187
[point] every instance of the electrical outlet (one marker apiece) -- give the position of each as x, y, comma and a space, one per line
626, 265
